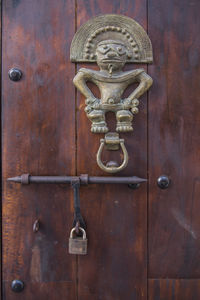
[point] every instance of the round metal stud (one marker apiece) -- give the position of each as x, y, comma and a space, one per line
163, 182
17, 286
133, 186
36, 226
15, 74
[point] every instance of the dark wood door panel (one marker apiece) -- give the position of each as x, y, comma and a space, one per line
174, 289
38, 138
174, 224
115, 267
46, 132
42, 290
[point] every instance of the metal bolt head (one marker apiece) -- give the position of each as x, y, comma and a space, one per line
15, 74
163, 182
133, 186
36, 226
17, 286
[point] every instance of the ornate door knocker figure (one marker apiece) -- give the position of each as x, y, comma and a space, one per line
116, 41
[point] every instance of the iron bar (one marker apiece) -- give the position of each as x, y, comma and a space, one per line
84, 179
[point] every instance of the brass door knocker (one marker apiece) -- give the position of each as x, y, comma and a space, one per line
112, 142
111, 41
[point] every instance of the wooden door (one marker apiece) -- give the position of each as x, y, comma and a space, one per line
144, 243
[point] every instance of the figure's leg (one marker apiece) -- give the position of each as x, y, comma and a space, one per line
124, 121
97, 117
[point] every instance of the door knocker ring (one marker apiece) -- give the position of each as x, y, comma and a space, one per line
112, 142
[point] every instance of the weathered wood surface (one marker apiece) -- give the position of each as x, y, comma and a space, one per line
174, 139
174, 289
46, 132
43, 290
115, 267
38, 138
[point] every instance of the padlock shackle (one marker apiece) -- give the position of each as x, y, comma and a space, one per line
81, 229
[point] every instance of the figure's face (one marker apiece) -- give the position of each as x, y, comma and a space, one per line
111, 53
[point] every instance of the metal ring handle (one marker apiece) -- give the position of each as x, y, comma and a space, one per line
112, 169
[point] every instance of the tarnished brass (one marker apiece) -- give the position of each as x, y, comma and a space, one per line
112, 142
111, 27
112, 81
111, 41
77, 244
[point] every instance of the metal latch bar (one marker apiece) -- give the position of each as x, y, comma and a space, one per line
84, 179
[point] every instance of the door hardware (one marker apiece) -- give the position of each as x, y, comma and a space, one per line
78, 219
133, 186
77, 244
163, 182
117, 40
84, 179
15, 74
112, 142
36, 226
17, 286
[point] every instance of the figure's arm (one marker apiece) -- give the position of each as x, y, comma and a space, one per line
145, 81
80, 82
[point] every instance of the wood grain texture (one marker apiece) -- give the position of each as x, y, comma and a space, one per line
115, 267
174, 224
42, 290
43, 119
38, 138
174, 289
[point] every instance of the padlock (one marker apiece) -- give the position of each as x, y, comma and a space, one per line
77, 244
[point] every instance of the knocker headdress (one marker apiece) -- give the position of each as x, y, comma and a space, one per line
114, 27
